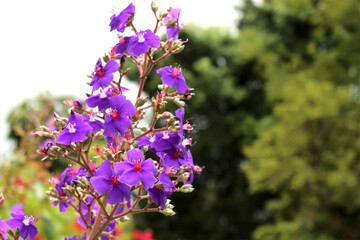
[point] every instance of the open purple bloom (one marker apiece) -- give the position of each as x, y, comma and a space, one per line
135, 169
96, 125
159, 195
122, 46
172, 24
103, 75
174, 157
165, 141
171, 77
75, 131
25, 224
107, 181
117, 120
140, 43
119, 22
102, 100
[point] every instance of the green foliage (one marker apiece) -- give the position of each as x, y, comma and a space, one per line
307, 152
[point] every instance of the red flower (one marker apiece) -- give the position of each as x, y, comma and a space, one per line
143, 235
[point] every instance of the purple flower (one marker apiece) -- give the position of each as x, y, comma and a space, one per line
25, 224
3, 228
122, 46
180, 113
95, 124
135, 169
140, 43
172, 24
175, 157
159, 195
107, 181
75, 131
165, 141
72, 238
103, 75
171, 77
117, 120
68, 176
119, 22
102, 100
190, 180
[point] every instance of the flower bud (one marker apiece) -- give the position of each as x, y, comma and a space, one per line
171, 122
187, 188
168, 212
69, 189
124, 219
154, 7
2, 199
166, 115
141, 101
163, 15
179, 103
183, 177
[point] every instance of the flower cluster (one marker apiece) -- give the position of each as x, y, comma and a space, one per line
108, 187
22, 224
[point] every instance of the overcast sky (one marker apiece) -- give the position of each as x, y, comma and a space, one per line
49, 45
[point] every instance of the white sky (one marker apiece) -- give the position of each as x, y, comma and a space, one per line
49, 45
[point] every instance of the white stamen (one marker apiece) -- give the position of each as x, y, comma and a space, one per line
141, 37
166, 135
102, 93
71, 127
27, 221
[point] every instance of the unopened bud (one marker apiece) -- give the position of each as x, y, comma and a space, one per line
168, 212
124, 219
154, 7
179, 103
183, 177
68, 189
145, 148
98, 136
163, 15
187, 188
54, 200
2, 198
141, 101
160, 87
171, 122
166, 115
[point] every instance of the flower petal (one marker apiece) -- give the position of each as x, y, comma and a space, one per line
101, 184
130, 177
147, 179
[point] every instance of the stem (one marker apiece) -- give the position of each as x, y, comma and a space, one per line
97, 221
142, 76
107, 221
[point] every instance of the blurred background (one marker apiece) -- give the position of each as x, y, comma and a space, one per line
276, 113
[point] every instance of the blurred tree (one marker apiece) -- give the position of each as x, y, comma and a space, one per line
26, 118
228, 103
307, 152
